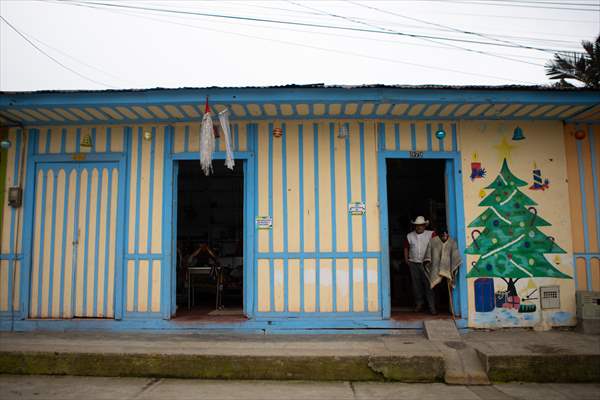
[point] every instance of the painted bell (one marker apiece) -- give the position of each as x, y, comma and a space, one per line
518, 134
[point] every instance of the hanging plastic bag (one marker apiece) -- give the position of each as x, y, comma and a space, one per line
224, 119
207, 141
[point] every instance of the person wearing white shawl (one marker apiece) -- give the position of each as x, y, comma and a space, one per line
442, 260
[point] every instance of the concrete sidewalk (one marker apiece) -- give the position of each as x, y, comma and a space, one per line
508, 355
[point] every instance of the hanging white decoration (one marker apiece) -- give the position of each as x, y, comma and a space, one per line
207, 141
224, 119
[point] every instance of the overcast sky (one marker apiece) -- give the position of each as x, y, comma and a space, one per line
105, 44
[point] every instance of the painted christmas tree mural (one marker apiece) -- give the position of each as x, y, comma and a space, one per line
511, 246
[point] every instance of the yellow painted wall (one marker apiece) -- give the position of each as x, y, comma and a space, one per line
305, 163
10, 269
576, 161
144, 236
543, 147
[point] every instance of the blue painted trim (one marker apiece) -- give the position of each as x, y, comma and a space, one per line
168, 304
97, 234
296, 95
75, 232
86, 245
429, 138
279, 325
333, 214
123, 202
442, 140
13, 216
587, 257
41, 245
320, 254
108, 139
250, 211
143, 315
350, 220
249, 119
52, 248
136, 246
317, 218
301, 196
454, 138
363, 195
270, 188
11, 256
595, 178
150, 233
107, 238
216, 155
78, 140
89, 157
586, 239
285, 214
27, 234
186, 139
455, 211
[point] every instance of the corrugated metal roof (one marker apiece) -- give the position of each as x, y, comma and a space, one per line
313, 101
321, 86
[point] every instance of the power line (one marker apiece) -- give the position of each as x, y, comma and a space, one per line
281, 22
429, 40
54, 59
477, 2
355, 54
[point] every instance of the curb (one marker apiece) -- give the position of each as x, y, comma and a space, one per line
546, 368
316, 368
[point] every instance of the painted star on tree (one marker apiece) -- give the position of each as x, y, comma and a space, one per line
511, 246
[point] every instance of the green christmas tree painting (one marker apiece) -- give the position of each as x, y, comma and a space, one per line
511, 246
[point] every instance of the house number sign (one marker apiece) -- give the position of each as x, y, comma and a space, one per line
415, 154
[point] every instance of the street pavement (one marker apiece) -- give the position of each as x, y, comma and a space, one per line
91, 388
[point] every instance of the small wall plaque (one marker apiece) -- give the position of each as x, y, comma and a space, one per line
264, 222
357, 208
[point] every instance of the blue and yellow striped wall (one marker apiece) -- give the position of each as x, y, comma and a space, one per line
583, 167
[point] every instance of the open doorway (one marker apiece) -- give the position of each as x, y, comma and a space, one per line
210, 233
414, 187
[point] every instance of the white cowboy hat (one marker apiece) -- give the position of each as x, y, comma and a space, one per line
420, 220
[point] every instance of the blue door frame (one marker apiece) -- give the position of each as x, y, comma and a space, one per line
455, 221
247, 157
33, 159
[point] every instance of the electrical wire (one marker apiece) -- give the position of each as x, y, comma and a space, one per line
429, 40
535, 5
355, 54
52, 58
296, 23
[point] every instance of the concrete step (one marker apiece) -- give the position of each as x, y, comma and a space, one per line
405, 358
462, 363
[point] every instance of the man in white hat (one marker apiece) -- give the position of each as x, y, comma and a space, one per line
414, 251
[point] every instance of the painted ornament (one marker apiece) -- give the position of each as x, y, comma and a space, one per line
579, 134
481, 193
538, 183
476, 170
86, 141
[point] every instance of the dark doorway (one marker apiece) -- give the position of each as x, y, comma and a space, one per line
414, 187
210, 214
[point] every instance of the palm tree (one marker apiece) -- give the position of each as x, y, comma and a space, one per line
583, 67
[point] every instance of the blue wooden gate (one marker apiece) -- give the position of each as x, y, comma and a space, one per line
74, 249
